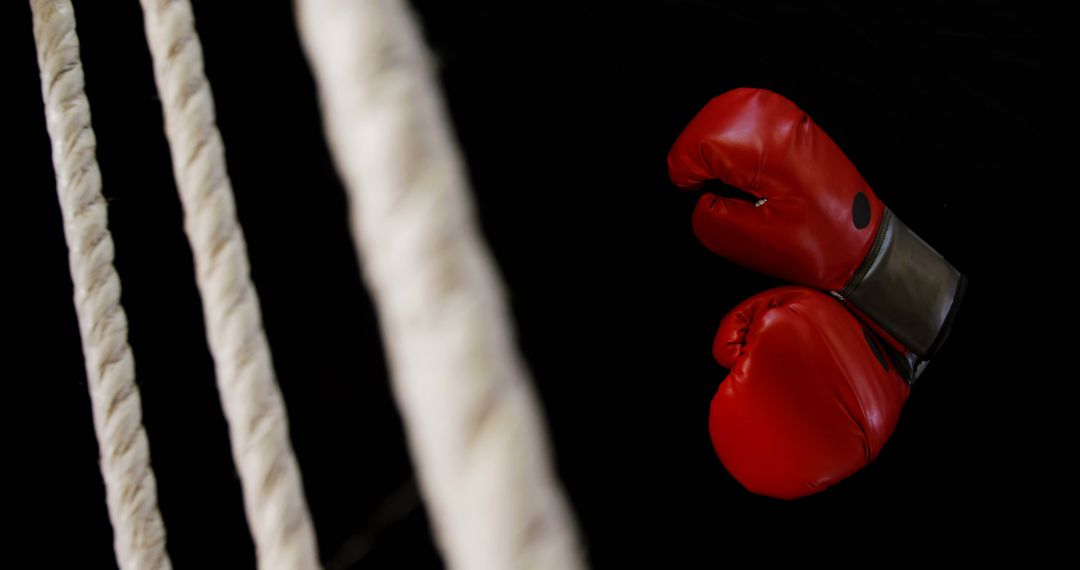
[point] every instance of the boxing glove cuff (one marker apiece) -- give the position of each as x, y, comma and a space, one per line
908, 290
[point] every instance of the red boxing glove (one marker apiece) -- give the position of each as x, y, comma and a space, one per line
810, 399
812, 219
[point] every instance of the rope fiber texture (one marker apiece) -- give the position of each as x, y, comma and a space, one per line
130, 488
277, 512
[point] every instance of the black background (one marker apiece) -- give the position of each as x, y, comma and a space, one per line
565, 112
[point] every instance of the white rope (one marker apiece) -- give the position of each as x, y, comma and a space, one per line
130, 489
473, 423
273, 494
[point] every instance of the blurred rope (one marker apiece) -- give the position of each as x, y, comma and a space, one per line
473, 422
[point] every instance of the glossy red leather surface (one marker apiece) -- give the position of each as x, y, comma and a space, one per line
806, 403
760, 142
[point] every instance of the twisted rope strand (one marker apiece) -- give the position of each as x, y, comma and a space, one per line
130, 488
258, 426
472, 419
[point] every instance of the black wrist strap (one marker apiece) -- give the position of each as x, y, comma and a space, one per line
908, 290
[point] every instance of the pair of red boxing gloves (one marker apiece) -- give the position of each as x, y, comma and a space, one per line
820, 370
